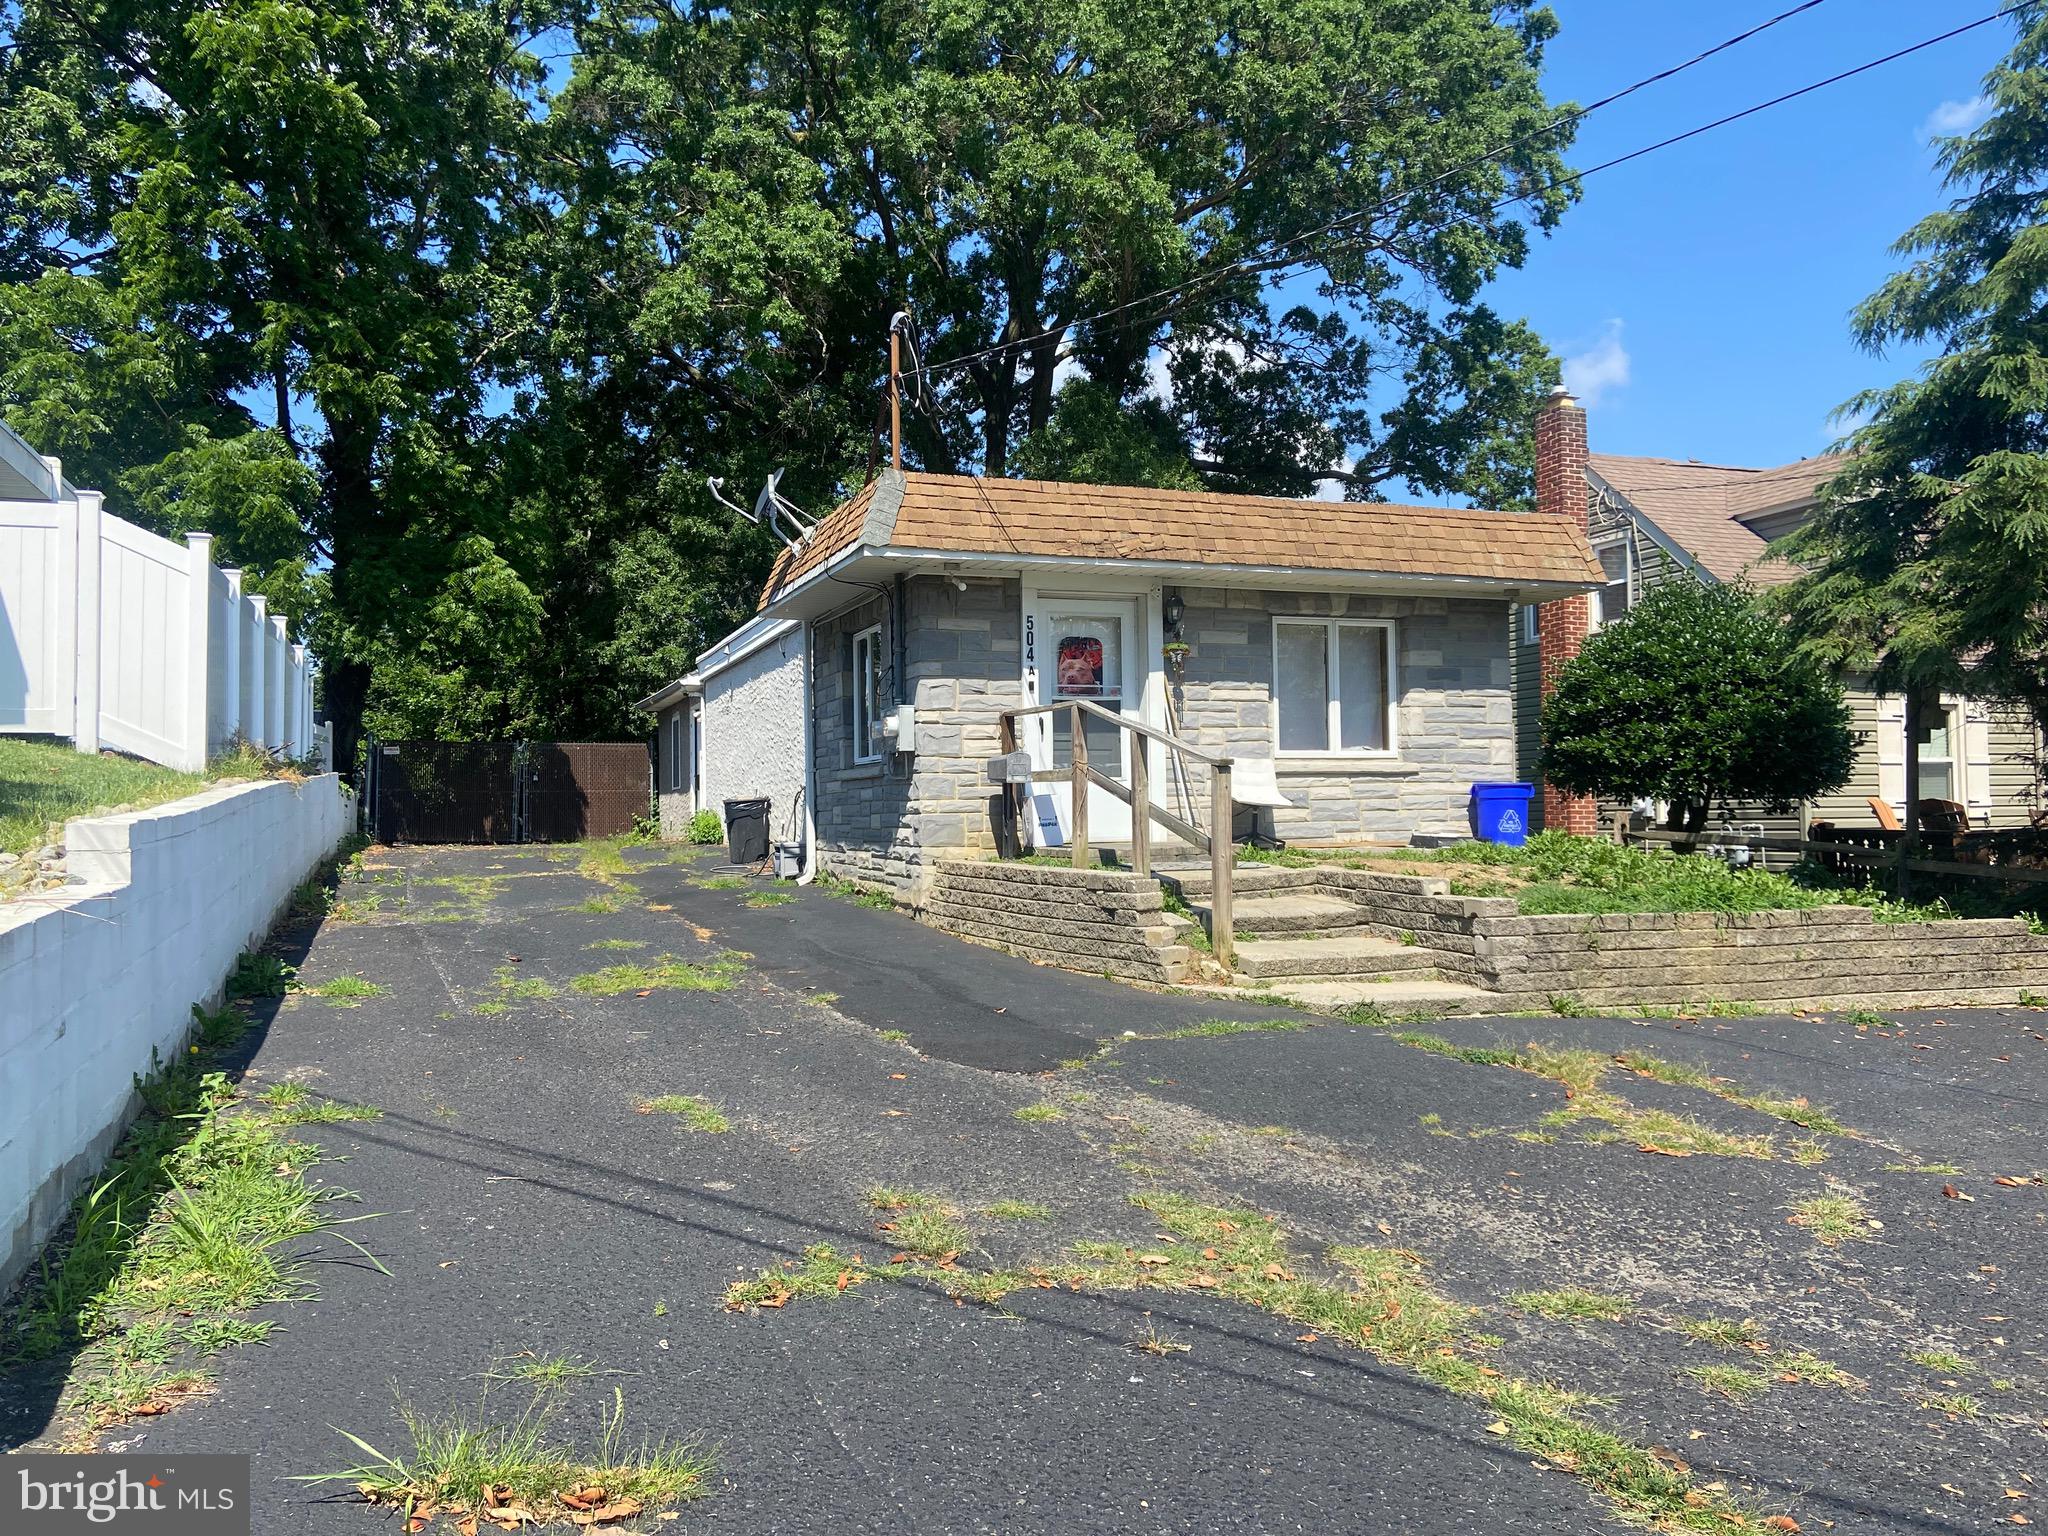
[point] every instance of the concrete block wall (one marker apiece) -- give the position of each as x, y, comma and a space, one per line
1084, 919
1454, 711
98, 975
754, 735
1829, 956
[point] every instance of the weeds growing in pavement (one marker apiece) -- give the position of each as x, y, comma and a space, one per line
1832, 1219
178, 1239
1039, 1113
518, 1470
1727, 1332
699, 1114
665, 972
1940, 1361
344, 991
1375, 1299
1572, 1304
1730, 1381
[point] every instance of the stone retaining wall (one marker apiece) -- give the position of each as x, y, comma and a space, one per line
1087, 920
1832, 956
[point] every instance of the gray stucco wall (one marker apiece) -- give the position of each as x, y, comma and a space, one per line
754, 734
1454, 709
674, 800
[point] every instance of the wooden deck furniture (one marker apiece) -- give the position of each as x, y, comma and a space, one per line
1886, 816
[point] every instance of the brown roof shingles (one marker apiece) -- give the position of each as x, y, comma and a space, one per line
1699, 507
966, 515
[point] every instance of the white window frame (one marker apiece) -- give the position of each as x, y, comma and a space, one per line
866, 749
1532, 624
678, 778
1334, 725
1953, 709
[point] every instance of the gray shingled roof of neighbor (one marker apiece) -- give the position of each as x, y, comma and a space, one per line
1702, 507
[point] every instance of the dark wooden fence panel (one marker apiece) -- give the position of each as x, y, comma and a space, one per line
579, 789
507, 791
446, 792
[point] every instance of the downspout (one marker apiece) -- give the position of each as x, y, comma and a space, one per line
810, 870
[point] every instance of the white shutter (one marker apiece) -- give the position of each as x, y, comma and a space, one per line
1891, 753
1976, 791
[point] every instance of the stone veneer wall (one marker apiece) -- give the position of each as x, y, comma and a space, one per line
882, 823
1085, 919
1836, 956
1454, 714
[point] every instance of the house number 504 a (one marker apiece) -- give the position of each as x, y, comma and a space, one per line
1030, 639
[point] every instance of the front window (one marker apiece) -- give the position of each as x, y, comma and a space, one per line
1333, 685
1612, 600
1937, 754
867, 694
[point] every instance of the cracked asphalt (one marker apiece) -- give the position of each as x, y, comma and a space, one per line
525, 1205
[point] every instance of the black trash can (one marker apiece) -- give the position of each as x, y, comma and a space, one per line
746, 831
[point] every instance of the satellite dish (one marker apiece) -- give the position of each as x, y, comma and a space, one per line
769, 499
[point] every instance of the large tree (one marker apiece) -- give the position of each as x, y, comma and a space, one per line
261, 264
1928, 562
1692, 697
759, 188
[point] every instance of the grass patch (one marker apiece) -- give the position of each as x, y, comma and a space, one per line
721, 882
845, 890
178, 1239
1948, 1168
617, 944
770, 899
1196, 934
600, 904
259, 974
664, 973
519, 1470
1957, 1405
1730, 1381
543, 1370
512, 985
1832, 1219
42, 783
893, 1036
1211, 1027
1572, 1304
698, 1113
1039, 1114
296, 1104
1940, 1361
1794, 1111
1375, 1299
344, 991
1727, 1332
1016, 1210
1804, 1365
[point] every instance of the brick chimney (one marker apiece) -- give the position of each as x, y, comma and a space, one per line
1561, 625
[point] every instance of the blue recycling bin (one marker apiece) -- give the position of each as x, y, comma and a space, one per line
1500, 813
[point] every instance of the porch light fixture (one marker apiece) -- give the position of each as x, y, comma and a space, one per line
1173, 610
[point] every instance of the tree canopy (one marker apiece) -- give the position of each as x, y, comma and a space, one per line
1928, 563
439, 313
1695, 696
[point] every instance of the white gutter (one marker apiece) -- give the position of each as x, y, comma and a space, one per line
810, 869
1183, 572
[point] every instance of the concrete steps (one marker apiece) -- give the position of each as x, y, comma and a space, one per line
1352, 956
1290, 913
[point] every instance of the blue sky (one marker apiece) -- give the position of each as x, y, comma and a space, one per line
1701, 295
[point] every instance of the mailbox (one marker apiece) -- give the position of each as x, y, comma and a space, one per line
1010, 768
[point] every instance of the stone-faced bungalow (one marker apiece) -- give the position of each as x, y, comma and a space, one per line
1360, 652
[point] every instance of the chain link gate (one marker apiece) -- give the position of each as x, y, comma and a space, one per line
506, 791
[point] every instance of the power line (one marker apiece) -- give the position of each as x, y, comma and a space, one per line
1268, 256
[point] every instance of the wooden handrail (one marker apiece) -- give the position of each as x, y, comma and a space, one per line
1216, 842
1149, 732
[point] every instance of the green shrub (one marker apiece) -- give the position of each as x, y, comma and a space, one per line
705, 827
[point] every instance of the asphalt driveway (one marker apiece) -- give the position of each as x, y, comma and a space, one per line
528, 1207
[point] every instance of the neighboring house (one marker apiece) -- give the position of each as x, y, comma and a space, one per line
1357, 651
733, 729
1657, 520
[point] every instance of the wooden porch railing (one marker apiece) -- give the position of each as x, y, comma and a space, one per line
1137, 795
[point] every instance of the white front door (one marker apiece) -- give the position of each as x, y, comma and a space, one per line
1082, 648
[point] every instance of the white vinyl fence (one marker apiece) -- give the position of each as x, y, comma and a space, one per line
118, 638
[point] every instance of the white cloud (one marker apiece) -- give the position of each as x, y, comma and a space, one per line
1953, 117
1596, 369
1333, 490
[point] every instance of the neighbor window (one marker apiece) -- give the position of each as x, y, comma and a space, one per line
1612, 600
1333, 685
1937, 754
1531, 624
867, 694
678, 773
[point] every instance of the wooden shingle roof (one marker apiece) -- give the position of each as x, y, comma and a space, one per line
1701, 507
966, 514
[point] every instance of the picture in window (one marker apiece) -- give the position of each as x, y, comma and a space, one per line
1080, 667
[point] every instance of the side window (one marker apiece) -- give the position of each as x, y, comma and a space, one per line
867, 696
